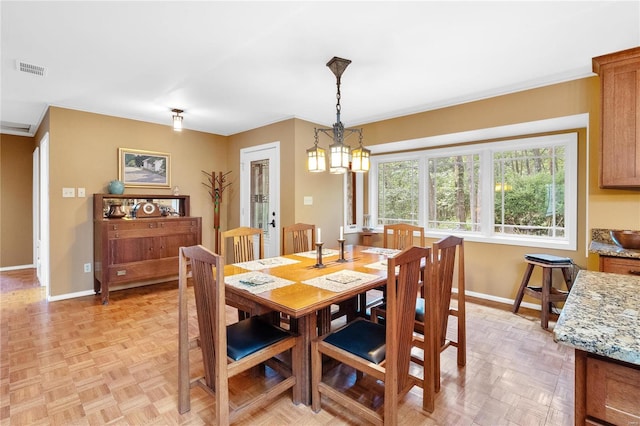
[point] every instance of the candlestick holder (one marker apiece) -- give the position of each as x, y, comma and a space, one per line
341, 259
319, 263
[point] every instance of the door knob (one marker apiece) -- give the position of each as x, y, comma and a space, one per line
273, 223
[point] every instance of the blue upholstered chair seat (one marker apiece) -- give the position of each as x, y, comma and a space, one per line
349, 338
251, 335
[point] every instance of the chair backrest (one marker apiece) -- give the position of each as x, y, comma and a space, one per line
207, 271
402, 291
444, 259
243, 244
298, 238
401, 236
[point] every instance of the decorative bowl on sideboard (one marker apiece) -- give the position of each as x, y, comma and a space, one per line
626, 239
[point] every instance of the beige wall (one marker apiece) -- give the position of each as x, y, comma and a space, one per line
16, 202
84, 153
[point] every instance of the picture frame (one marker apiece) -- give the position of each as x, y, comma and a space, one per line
144, 169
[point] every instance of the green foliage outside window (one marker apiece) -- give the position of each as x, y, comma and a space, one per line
398, 198
529, 196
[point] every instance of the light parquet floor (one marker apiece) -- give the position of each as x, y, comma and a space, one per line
76, 362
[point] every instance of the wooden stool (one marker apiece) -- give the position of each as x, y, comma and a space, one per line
547, 294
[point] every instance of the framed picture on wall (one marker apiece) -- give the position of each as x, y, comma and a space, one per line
144, 169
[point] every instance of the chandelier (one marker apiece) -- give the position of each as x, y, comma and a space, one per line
341, 157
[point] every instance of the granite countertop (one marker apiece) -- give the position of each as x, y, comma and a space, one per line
602, 316
602, 244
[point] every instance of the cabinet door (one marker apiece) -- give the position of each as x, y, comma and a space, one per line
613, 391
620, 82
125, 250
169, 245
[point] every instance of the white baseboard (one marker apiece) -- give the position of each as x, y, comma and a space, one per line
17, 267
498, 299
111, 289
70, 295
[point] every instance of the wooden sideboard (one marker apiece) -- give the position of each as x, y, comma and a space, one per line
130, 249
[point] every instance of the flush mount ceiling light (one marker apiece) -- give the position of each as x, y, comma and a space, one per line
177, 119
341, 158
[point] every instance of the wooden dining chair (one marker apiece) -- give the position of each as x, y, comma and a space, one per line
301, 237
244, 249
243, 240
444, 253
401, 235
227, 350
397, 236
380, 351
298, 238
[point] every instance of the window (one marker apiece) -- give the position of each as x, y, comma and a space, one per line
521, 191
529, 191
452, 185
398, 189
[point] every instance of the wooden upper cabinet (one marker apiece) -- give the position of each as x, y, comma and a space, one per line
620, 139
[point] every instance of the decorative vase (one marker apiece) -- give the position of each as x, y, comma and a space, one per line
116, 187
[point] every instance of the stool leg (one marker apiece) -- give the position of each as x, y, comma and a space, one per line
523, 285
566, 273
546, 290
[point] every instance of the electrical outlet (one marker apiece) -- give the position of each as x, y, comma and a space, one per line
87, 267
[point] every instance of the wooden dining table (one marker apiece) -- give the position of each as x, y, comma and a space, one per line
303, 292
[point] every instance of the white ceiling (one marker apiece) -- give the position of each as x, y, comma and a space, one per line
235, 66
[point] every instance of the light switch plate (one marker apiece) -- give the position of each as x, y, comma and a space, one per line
81, 192
68, 192
308, 201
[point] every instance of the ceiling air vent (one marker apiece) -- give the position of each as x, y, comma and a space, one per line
31, 68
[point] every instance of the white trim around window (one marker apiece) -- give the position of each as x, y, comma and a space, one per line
568, 140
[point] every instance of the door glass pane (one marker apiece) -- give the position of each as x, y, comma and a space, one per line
260, 195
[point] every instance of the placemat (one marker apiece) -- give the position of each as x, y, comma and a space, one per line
380, 250
313, 253
341, 280
256, 282
271, 262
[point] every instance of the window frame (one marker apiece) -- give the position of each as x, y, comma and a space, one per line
373, 185
568, 139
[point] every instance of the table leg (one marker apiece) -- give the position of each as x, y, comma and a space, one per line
324, 321
307, 329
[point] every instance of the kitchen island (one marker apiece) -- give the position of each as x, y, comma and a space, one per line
601, 321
